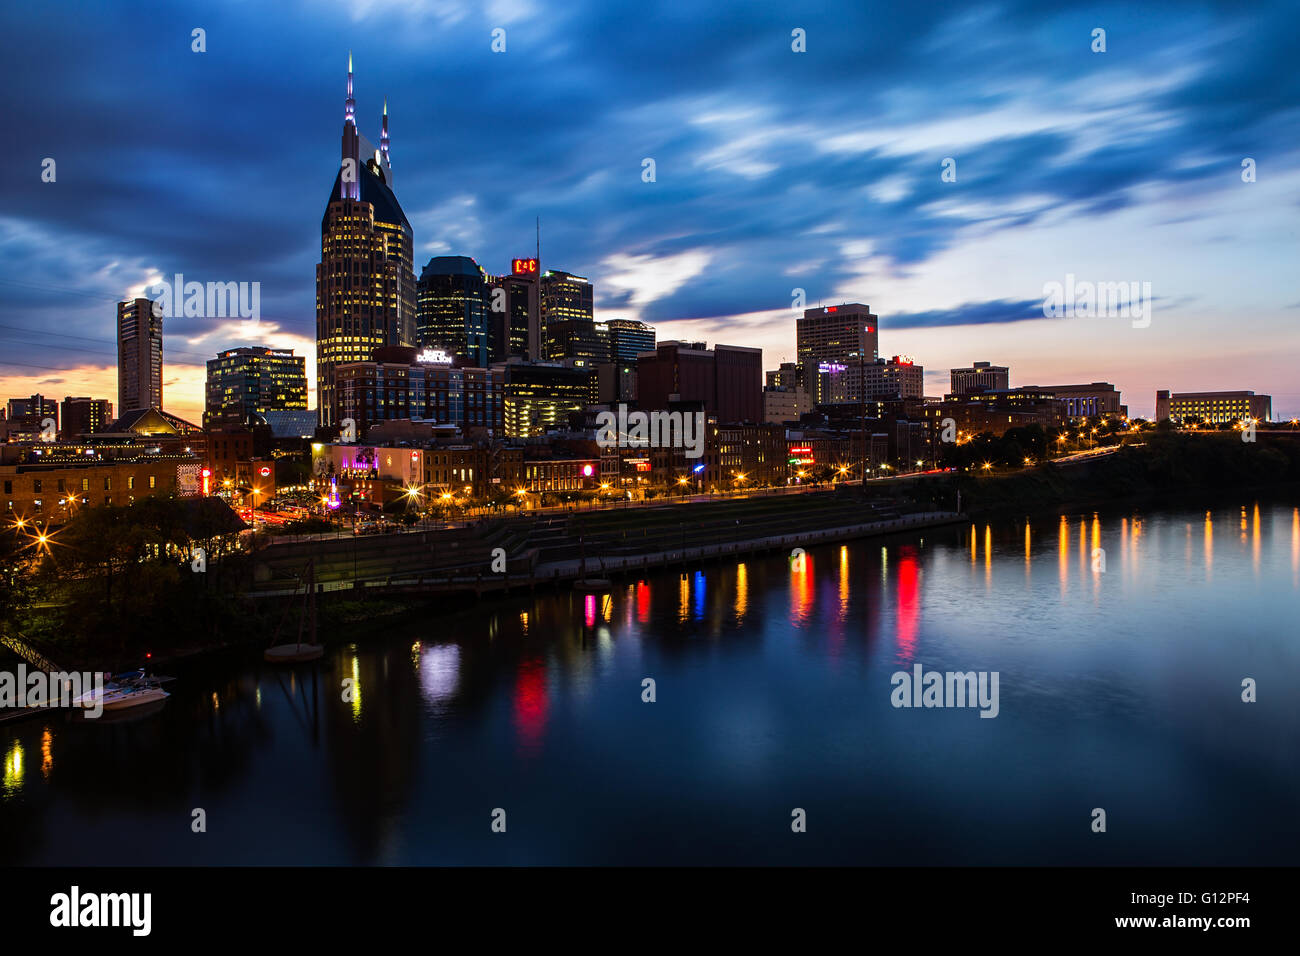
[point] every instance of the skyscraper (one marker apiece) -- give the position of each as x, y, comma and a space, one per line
452, 308
516, 331
365, 282
628, 338
254, 380
139, 356
565, 297
826, 339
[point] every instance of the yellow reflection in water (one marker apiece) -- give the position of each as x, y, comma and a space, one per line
974, 536
742, 591
1063, 547
684, 599
1254, 539
844, 581
356, 688
47, 752
1209, 544
1295, 546
13, 767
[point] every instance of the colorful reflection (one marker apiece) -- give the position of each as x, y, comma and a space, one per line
801, 589
13, 768
356, 689
908, 612
642, 602
530, 703
47, 753
742, 591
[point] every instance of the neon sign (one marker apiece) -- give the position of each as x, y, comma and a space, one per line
433, 357
524, 267
832, 367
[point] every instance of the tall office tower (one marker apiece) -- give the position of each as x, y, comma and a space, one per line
586, 342
254, 380
139, 356
980, 377
38, 406
453, 304
834, 336
628, 338
515, 313
565, 297
84, 416
365, 282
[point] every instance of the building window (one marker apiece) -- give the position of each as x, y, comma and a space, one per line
152, 481
108, 483
85, 484
9, 488
130, 481
36, 485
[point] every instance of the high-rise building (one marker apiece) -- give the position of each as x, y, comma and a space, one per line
834, 335
254, 380
139, 356
980, 377
564, 296
452, 307
515, 318
628, 338
727, 380
37, 406
365, 282
1213, 408
84, 416
585, 342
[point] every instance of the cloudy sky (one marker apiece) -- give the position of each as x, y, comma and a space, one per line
775, 171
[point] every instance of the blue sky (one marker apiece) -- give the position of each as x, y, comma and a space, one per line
775, 171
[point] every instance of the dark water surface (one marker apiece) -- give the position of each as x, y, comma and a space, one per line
1119, 689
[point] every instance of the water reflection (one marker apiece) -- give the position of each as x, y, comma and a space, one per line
534, 699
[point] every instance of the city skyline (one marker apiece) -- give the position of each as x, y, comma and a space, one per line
759, 189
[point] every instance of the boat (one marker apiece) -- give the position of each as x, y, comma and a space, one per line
123, 692
300, 651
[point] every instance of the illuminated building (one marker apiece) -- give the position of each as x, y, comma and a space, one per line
452, 308
517, 330
871, 381
254, 380
980, 377
833, 336
84, 416
1084, 401
628, 338
403, 383
1213, 408
541, 395
365, 282
139, 356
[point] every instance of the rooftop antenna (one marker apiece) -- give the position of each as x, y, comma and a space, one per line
539, 241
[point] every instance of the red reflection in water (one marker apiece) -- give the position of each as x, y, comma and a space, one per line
801, 588
908, 611
530, 702
642, 602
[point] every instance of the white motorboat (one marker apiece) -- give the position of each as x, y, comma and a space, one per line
122, 692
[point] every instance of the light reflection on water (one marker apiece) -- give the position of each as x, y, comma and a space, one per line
1121, 640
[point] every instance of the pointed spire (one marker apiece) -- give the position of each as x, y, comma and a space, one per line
383, 136
350, 106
